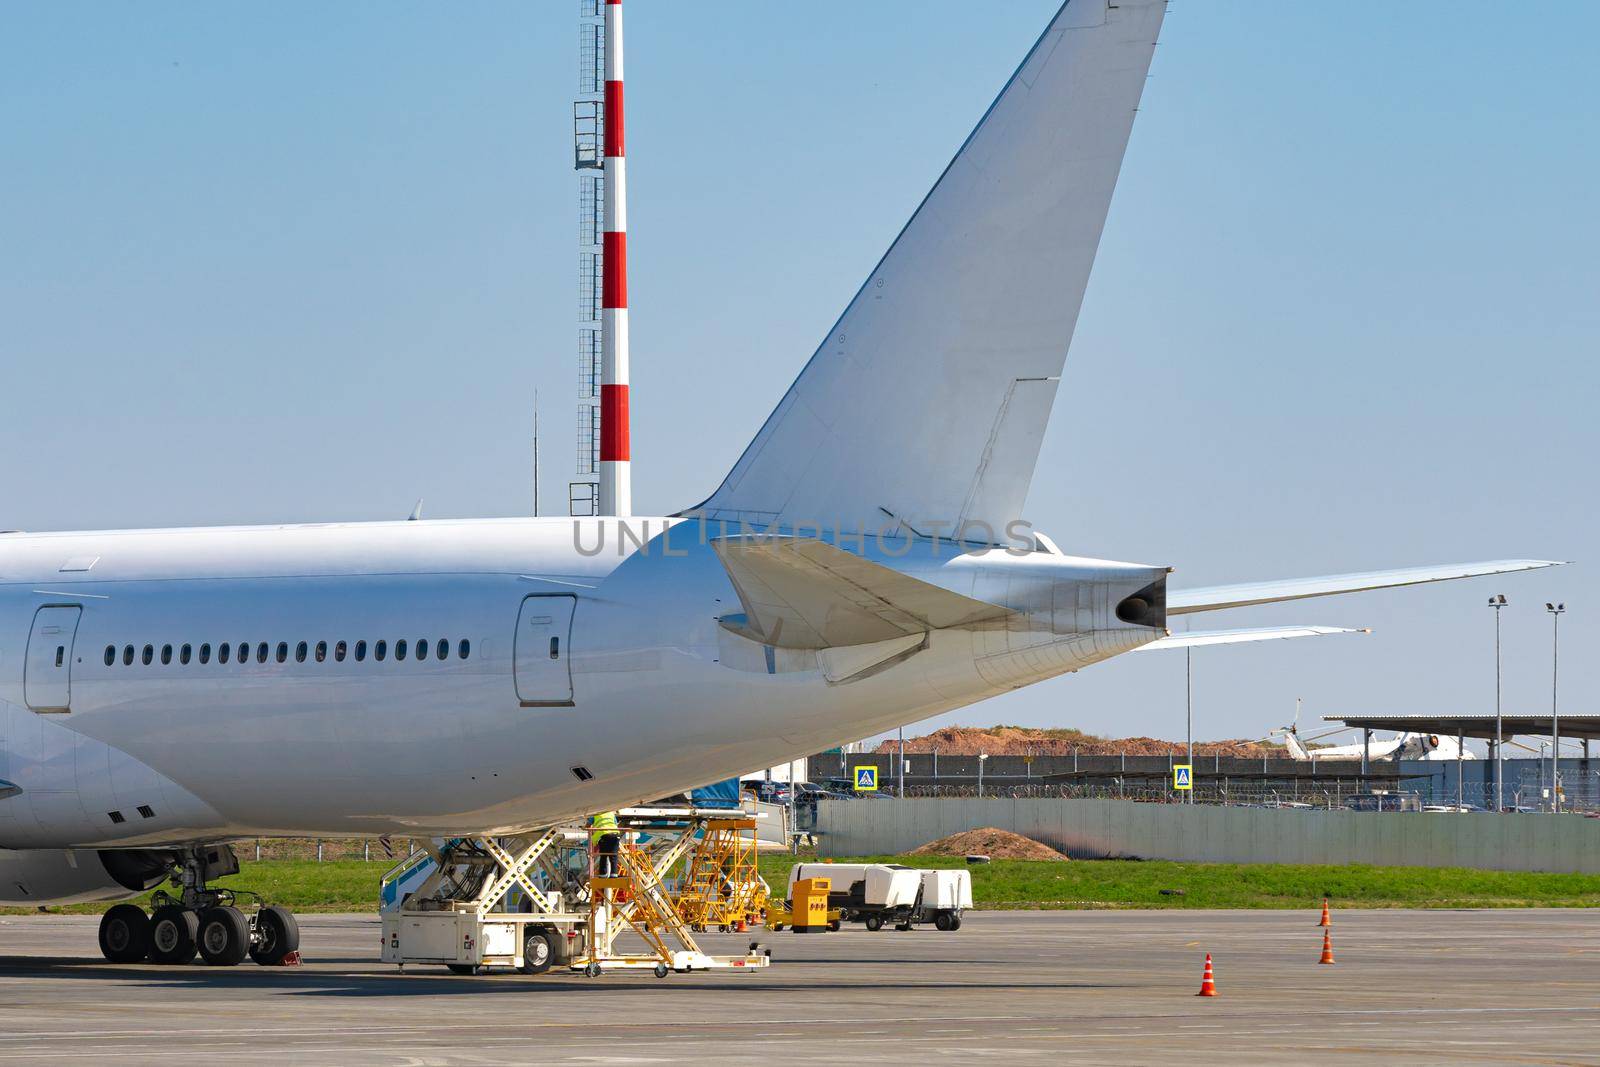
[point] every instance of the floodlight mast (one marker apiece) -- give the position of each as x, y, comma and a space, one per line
1497, 602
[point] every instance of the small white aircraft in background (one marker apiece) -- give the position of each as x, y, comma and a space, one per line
1406, 746
862, 566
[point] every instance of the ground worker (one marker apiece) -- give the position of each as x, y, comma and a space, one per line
604, 841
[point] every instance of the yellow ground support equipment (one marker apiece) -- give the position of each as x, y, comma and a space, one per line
721, 886
637, 900
808, 908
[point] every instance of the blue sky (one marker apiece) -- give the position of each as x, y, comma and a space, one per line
306, 262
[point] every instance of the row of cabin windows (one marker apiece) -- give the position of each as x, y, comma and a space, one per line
339, 650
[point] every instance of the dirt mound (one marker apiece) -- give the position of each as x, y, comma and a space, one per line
1023, 740
989, 841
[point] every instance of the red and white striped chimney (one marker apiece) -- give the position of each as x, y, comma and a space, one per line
616, 475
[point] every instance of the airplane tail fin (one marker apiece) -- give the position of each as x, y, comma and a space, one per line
1296, 750
927, 401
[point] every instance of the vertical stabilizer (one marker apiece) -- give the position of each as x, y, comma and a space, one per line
928, 399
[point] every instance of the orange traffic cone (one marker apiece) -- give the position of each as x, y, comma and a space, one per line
1327, 920
1327, 947
1208, 982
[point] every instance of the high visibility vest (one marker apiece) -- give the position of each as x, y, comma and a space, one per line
600, 825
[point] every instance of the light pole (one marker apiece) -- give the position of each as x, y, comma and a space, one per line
1497, 602
1555, 611
902, 774
1188, 702
982, 756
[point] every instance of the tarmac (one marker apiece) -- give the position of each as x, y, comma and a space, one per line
1020, 987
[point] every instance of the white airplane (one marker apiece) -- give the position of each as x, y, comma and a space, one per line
1433, 747
864, 565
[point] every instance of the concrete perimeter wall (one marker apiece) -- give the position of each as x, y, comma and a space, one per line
1206, 833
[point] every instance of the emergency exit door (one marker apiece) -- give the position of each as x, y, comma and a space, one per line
542, 652
47, 671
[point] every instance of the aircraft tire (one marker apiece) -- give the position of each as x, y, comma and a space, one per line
173, 933
224, 938
125, 934
277, 935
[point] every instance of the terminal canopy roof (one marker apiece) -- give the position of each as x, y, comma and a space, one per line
1578, 727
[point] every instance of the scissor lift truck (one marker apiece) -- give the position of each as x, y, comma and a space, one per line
531, 902
489, 903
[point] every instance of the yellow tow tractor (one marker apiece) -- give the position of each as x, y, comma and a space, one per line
807, 910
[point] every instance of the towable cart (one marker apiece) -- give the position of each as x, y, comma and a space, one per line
880, 894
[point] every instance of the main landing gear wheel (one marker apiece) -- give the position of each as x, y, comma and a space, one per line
173, 931
873, 922
277, 935
125, 934
224, 936
538, 950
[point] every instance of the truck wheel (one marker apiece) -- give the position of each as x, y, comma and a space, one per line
941, 921
834, 925
661, 970
955, 921
873, 922
538, 950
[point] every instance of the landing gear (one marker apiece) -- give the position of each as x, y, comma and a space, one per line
199, 920
125, 934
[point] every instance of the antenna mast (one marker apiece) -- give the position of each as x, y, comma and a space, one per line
605, 482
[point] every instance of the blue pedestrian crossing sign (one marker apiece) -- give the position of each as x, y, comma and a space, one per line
866, 779
1182, 776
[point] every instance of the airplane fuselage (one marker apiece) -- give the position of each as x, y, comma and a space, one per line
225, 683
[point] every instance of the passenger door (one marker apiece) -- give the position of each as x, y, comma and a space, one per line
542, 652
47, 671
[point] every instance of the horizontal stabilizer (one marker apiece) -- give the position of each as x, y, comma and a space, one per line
1217, 597
1198, 638
799, 592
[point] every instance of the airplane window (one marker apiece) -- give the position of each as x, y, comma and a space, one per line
283, 651
322, 651
463, 648
111, 654
261, 652
338, 652
380, 650
222, 652
361, 651
300, 652
400, 649
205, 653
127, 655
166, 654
422, 648
183, 654
442, 650
244, 652
147, 655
